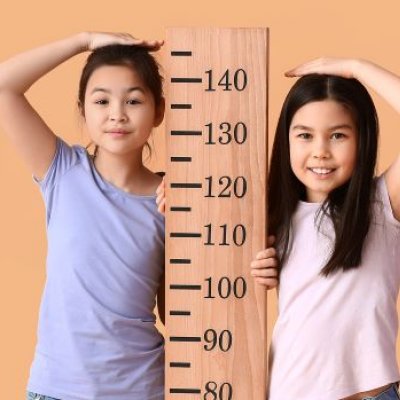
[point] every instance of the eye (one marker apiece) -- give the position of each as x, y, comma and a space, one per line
304, 135
133, 102
101, 102
338, 135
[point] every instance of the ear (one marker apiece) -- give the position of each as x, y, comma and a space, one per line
158, 118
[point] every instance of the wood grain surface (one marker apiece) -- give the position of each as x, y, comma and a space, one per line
216, 220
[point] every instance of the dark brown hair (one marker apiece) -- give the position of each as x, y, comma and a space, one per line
136, 57
348, 206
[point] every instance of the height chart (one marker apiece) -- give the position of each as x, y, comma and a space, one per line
216, 217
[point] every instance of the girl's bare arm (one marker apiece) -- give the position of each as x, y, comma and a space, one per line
33, 139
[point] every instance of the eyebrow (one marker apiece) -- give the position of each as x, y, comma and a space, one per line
131, 89
332, 128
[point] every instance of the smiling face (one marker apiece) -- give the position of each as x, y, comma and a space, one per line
323, 143
119, 110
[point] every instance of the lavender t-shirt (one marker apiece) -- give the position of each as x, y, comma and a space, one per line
97, 338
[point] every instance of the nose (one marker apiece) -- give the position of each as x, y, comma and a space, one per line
117, 113
321, 149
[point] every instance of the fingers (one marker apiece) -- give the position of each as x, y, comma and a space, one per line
265, 266
267, 253
161, 207
270, 262
160, 192
160, 197
160, 200
161, 186
151, 44
269, 283
325, 65
99, 39
309, 67
268, 277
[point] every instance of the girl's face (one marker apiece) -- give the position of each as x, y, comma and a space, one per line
323, 142
119, 110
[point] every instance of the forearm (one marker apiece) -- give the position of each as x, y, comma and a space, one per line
382, 81
20, 72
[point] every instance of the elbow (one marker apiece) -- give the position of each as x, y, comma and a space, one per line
10, 83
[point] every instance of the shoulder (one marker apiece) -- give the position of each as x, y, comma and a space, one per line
392, 178
76, 151
65, 158
383, 201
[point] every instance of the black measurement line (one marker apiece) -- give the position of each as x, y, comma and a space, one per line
185, 235
190, 185
186, 80
184, 287
185, 209
177, 106
180, 261
180, 53
181, 159
186, 133
179, 313
189, 339
179, 365
184, 391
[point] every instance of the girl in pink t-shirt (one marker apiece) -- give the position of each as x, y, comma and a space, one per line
335, 227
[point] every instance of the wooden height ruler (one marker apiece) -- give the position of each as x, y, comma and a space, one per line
216, 86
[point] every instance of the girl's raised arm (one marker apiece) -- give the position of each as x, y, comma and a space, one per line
383, 82
33, 139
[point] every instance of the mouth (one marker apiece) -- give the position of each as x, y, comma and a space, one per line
118, 132
322, 172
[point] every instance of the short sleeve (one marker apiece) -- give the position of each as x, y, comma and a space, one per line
383, 198
64, 159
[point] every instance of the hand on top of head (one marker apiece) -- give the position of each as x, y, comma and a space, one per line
100, 39
343, 67
264, 268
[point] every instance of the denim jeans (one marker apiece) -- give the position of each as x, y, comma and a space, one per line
36, 396
392, 393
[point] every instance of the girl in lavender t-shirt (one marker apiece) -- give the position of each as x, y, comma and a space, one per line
105, 265
336, 231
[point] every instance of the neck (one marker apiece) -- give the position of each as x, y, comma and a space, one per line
126, 172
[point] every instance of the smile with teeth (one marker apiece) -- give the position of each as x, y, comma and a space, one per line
322, 171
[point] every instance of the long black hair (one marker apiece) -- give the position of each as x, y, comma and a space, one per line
348, 206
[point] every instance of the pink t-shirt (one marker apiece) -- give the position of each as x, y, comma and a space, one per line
336, 336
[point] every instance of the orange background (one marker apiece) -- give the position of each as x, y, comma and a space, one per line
299, 30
